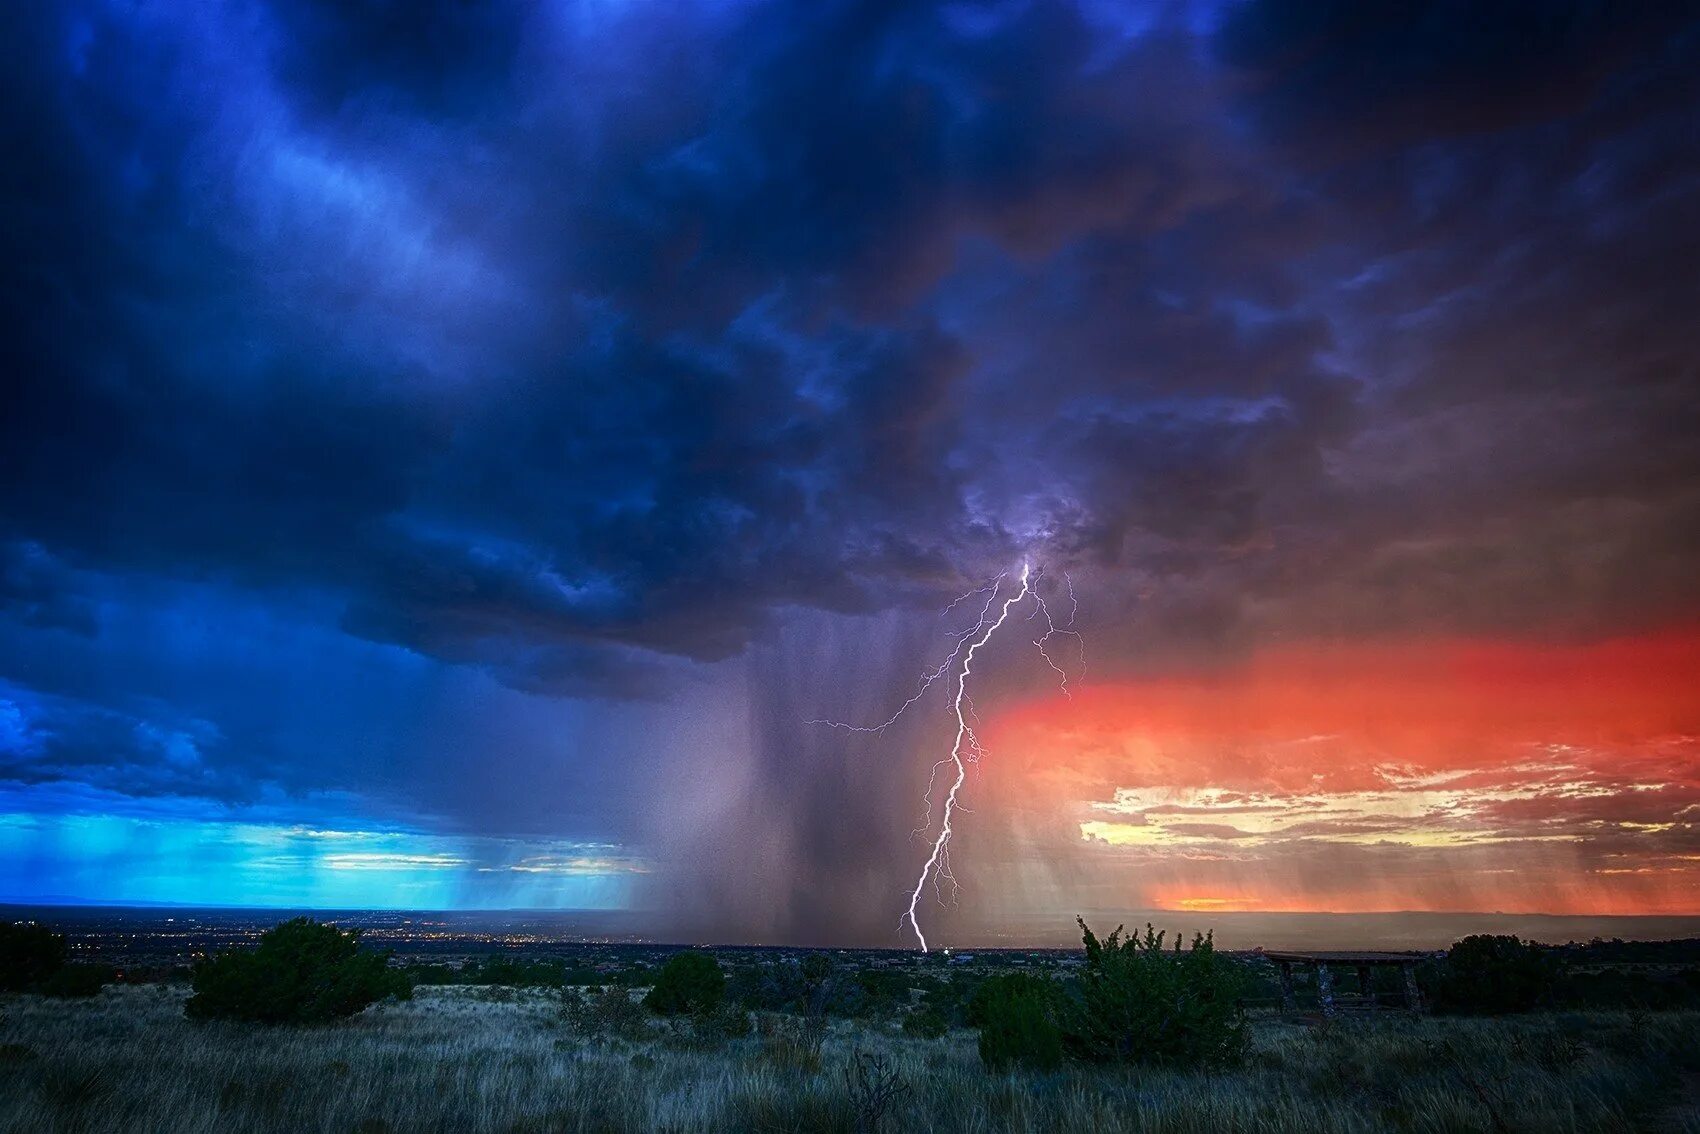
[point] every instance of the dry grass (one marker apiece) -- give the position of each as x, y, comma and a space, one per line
462, 1059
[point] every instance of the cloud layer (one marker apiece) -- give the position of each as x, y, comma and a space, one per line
518, 418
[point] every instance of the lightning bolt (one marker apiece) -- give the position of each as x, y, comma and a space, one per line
1052, 630
990, 590
966, 748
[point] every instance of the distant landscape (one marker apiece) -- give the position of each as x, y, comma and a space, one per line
513, 1023
159, 930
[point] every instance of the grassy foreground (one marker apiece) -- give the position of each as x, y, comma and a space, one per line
465, 1059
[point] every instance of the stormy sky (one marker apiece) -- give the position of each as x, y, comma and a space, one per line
450, 451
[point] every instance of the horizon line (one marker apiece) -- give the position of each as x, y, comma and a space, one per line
60, 901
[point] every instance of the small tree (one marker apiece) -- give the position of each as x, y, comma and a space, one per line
688, 982
302, 972
29, 954
1138, 1003
1494, 974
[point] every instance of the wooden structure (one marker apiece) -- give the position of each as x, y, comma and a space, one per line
1364, 963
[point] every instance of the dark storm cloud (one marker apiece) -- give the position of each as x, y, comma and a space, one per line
441, 56
1380, 75
53, 739
40, 593
664, 489
591, 347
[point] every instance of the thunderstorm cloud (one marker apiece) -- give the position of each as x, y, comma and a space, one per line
489, 432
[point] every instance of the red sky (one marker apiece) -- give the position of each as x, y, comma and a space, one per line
1460, 775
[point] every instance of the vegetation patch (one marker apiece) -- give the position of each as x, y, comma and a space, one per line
690, 982
604, 1012
1139, 1003
1495, 975
302, 972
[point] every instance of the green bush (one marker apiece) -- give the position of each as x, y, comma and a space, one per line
29, 954
1493, 975
688, 982
302, 972
1139, 1003
1019, 1020
77, 981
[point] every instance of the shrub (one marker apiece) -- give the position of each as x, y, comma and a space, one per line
776, 987
816, 968
1493, 974
29, 954
432, 975
1138, 1003
925, 1022
854, 993
610, 1011
874, 1087
1018, 1017
302, 972
77, 981
1627, 988
881, 992
725, 1022
792, 1042
688, 982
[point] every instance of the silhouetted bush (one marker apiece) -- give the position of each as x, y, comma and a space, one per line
1019, 1020
688, 982
29, 954
1494, 974
302, 972
1682, 951
77, 981
1138, 1003
1616, 988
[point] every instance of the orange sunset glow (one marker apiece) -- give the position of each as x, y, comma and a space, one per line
1443, 776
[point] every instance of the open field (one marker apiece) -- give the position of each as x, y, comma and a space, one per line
502, 1059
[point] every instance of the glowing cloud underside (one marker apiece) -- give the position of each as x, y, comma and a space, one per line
966, 747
